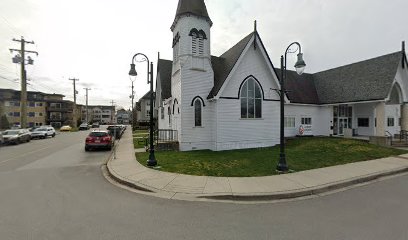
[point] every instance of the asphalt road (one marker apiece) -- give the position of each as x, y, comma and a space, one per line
53, 189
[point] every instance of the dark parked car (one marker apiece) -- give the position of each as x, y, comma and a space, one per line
116, 131
84, 126
16, 136
99, 139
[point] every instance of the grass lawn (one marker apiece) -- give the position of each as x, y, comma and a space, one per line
301, 154
138, 136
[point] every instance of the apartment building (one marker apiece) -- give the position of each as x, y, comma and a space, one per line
99, 113
42, 108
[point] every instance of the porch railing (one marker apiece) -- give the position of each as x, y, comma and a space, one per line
166, 135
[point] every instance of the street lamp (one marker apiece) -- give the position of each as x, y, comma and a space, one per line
152, 159
300, 67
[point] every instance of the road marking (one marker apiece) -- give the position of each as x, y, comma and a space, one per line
7, 160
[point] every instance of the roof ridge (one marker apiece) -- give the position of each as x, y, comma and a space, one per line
359, 62
238, 43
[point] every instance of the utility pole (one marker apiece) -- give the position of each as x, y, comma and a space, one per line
87, 89
74, 80
21, 59
113, 110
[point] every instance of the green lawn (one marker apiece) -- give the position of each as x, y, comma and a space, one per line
138, 136
301, 154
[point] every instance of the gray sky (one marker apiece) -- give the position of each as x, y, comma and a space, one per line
94, 40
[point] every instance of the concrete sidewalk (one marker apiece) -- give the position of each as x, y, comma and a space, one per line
126, 170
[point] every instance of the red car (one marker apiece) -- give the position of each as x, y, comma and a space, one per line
99, 139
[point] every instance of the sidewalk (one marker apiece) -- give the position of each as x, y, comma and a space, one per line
126, 170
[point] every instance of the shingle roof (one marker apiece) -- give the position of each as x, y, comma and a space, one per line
362, 81
194, 7
146, 96
300, 89
223, 65
164, 68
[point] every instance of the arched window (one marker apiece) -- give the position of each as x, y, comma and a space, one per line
197, 113
197, 42
175, 103
251, 99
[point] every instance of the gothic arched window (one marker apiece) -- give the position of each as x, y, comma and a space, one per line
197, 113
251, 99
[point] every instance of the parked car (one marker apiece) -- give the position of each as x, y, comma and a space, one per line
16, 136
43, 132
1, 138
115, 130
99, 139
95, 125
84, 126
66, 128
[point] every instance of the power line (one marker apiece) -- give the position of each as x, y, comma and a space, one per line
10, 80
11, 27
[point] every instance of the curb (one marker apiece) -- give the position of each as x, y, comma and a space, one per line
306, 192
255, 197
127, 183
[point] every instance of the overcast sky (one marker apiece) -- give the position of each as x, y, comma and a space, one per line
94, 40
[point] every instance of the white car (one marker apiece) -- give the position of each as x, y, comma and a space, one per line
43, 132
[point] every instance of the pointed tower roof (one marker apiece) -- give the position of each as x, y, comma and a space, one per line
193, 7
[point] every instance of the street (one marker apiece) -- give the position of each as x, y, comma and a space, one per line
53, 189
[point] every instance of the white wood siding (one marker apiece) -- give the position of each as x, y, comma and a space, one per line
364, 110
235, 133
321, 119
393, 111
232, 132
252, 63
190, 83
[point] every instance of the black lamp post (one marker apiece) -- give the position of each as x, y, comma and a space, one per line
300, 67
152, 159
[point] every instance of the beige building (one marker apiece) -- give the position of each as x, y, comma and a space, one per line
42, 108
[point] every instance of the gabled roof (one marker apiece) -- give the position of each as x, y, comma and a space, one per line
164, 68
146, 96
362, 81
193, 7
299, 89
223, 65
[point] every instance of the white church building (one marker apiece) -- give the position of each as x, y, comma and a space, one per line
231, 102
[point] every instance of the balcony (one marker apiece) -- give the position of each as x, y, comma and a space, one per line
57, 109
57, 119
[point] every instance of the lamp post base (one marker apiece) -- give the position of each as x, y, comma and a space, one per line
282, 165
152, 160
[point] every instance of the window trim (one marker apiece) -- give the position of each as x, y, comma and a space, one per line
363, 119
390, 123
304, 122
257, 85
285, 121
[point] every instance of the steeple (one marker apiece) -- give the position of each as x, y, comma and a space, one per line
191, 7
